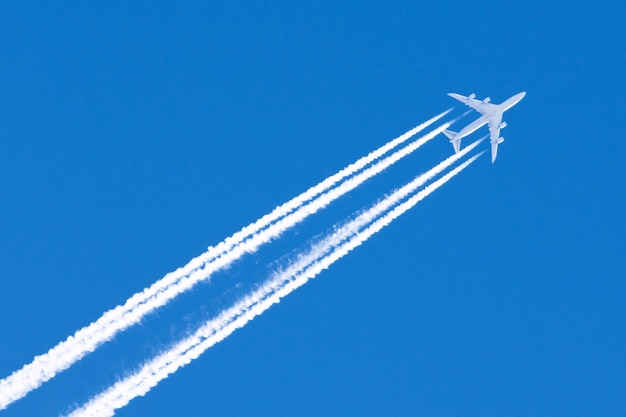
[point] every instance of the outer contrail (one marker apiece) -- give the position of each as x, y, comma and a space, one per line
282, 283
87, 339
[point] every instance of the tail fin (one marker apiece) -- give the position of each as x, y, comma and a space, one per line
456, 143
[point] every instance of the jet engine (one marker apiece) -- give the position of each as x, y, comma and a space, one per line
487, 100
500, 139
502, 125
471, 96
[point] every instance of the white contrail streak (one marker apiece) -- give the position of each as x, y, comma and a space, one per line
87, 339
281, 284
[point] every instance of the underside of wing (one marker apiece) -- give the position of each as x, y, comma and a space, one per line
494, 133
480, 106
494, 126
494, 151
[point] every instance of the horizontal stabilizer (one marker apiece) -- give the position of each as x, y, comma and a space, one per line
454, 140
450, 134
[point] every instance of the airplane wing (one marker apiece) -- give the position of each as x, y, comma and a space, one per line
478, 105
494, 132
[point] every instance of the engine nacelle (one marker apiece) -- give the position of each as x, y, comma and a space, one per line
487, 100
500, 140
502, 125
471, 96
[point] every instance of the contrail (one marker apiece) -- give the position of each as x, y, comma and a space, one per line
281, 284
87, 339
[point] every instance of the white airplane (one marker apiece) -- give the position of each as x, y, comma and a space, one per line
491, 114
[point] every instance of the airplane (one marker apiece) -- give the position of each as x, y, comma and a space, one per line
491, 114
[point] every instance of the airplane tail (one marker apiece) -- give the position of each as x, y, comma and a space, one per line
456, 143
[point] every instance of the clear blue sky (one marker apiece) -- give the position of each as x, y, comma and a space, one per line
133, 136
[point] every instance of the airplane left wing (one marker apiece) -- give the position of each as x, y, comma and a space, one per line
495, 123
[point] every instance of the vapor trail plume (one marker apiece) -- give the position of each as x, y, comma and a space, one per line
253, 242
278, 286
87, 339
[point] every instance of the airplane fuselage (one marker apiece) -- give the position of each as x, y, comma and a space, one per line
474, 126
512, 101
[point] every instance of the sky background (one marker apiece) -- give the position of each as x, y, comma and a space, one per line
134, 136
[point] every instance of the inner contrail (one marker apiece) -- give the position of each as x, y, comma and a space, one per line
87, 339
320, 257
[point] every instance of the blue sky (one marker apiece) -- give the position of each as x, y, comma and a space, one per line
134, 136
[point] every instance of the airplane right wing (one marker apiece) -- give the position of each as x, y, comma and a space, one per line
480, 106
